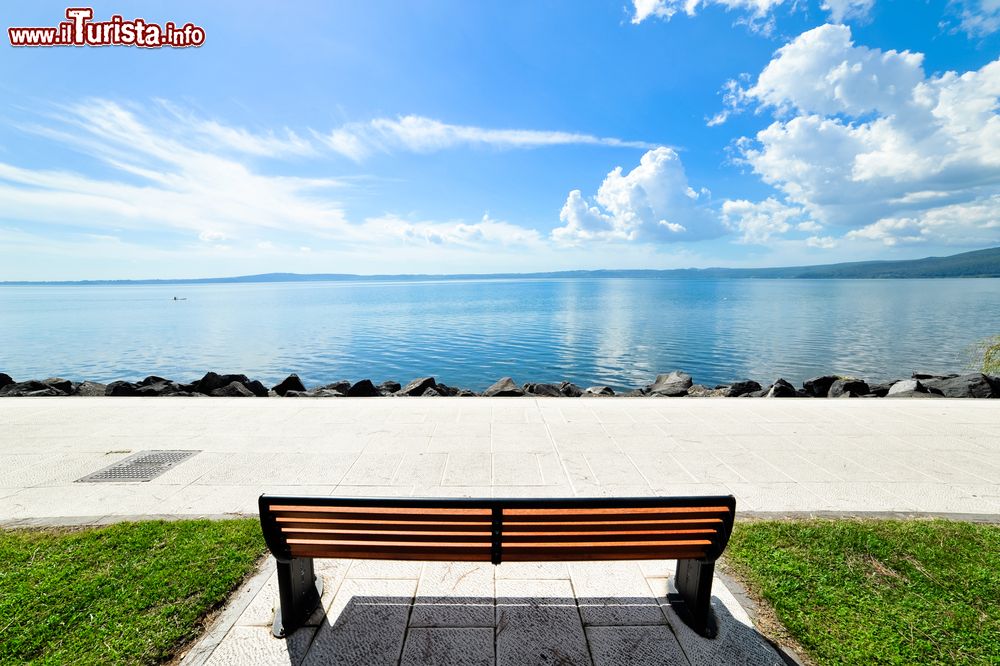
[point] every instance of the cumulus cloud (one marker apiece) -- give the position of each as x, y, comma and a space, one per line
757, 13
757, 222
422, 135
653, 202
865, 140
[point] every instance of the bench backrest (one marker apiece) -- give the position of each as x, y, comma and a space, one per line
497, 530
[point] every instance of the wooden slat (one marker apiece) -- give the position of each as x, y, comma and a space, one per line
673, 543
630, 512
591, 554
382, 525
364, 515
549, 526
604, 537
423, 555
381, 510
339, 536
593, 515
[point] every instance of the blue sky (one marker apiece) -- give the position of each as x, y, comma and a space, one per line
442, 137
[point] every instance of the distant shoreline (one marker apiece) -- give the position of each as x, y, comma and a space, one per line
975, 264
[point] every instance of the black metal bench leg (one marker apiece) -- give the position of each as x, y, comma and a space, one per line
693, 597
299, 593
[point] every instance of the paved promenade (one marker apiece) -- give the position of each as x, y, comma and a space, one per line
776, 457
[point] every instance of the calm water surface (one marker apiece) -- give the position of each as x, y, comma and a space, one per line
612, 331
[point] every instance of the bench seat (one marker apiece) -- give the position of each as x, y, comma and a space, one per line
692, 530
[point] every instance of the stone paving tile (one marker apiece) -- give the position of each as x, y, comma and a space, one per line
421, 469
613, 594
454, 594
260, 611
365, 624
774, 497
653, 645
373, 469
737, 641
516, 469
255, 646
857, 497
753, 468
947, 498
466, 646
538, 622
468, 469
532, 571
451, 443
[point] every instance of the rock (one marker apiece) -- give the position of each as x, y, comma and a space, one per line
974, 385
747, 386
121, 388
5, 380
881, 389
289, 383
920, 376
341, 387
314, 393
849, 394
856, 386
673, 384
819, 387
504, 387
430, 393
781, 389
212, 382
90, 389
363, 389
599, 391
156, 386
570, 390
64, 386
546, 390
445, 390
28, 388
258, 389
233, 389
388, 388
634, 393
418, 386
466, 393
45, 392
699, 391
906, 388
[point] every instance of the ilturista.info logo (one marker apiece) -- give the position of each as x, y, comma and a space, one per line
80, 29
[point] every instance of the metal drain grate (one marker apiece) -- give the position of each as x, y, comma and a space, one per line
141, 466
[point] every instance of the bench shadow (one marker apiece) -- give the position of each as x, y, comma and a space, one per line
521, 631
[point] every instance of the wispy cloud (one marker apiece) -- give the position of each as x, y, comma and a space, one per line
422, 135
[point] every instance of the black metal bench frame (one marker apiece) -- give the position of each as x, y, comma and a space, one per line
300, 590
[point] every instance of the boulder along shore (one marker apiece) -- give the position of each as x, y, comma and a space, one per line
674, 384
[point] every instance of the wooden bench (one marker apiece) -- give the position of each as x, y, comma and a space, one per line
692, 530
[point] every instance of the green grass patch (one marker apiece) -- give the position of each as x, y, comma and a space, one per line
878, 592
130, 593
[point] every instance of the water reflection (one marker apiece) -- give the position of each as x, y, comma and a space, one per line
591, 331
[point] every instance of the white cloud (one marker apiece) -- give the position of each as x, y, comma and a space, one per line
653, 202
422, 135
971, 223
841, 10
487, 234
978, 18
758, 12
865, 140
822, 242
758, 222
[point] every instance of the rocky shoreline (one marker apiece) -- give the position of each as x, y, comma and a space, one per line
671, 385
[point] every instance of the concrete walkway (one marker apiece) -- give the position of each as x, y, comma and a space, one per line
884, 455
776, 456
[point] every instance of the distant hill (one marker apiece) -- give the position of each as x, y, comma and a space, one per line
979, 263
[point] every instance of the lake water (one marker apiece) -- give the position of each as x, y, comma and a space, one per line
614, 331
